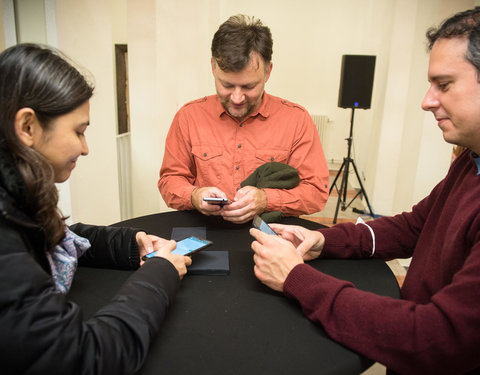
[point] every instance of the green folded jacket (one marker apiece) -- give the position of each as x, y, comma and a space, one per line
273, 175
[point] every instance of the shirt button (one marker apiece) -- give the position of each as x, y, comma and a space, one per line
239, 146
204, 154
237, 167
241, 125
272, 158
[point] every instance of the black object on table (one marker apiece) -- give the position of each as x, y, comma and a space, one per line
233, 324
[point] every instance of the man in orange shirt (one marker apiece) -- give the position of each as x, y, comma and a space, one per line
216, 142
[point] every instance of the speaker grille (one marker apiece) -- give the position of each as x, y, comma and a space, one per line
356, 82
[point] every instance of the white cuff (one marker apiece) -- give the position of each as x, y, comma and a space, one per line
361, 221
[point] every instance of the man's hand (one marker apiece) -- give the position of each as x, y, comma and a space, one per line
248, 202
274, 258
309, 243
207, 208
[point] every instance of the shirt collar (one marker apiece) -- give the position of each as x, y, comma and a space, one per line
263, 110
476, 159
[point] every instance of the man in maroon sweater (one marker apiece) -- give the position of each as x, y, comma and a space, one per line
435, 327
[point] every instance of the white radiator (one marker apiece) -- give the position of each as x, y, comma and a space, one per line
323, 123
124, 175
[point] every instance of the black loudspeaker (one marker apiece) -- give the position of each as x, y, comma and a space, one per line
356, 82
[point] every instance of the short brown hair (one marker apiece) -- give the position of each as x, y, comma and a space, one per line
237, 38
462, 24
466, 25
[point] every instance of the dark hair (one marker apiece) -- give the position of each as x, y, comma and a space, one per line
236, 38
38, 77
464, 24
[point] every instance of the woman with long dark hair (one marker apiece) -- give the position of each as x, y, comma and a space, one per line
44, 113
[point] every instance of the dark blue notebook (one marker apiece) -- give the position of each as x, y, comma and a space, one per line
207, 262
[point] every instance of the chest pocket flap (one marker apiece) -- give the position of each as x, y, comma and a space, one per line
277, 155
207, 152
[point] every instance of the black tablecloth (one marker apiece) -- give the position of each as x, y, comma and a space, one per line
234, 324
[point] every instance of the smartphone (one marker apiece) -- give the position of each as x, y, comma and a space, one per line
262, 225
188, 246
215, 200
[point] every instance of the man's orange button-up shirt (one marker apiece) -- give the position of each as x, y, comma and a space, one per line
205, 146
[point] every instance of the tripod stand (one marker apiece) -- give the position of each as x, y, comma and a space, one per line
342, 193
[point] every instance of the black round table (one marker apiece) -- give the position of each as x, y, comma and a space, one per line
233, 324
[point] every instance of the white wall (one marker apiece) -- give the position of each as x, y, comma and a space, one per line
412, 156
147, 105
85, 33
169, 64
2, 28
31, 21
397, 146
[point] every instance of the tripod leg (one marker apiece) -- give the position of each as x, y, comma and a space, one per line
363, 190
348, 160
343, 188
336, 177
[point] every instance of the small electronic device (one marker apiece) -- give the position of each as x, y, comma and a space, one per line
262, 225
215, 200
188, 246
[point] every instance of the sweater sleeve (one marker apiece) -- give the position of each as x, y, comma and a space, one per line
435, 328
395, 237
440, 337
44, 333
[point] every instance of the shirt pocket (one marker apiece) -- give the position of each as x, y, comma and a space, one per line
208, 159
267, 156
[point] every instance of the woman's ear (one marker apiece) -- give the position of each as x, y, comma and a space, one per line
25, 123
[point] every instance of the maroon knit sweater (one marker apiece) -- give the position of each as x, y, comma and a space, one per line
435, 327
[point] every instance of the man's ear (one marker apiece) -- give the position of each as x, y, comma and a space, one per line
213, 63
267, 76
25, 123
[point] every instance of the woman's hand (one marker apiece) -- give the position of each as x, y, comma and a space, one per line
148, 243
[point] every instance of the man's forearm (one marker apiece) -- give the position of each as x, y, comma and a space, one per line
303, 199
